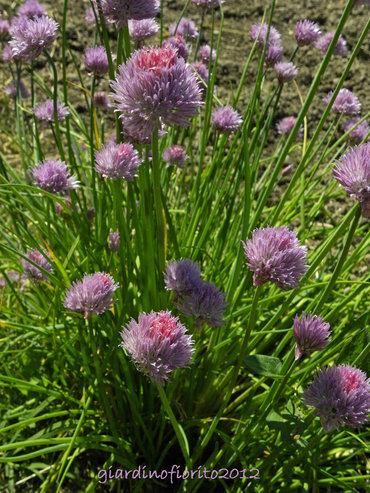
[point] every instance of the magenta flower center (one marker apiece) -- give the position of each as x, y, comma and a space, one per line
162, 326
351, 382
156, 60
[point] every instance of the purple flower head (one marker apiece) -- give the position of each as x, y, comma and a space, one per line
120, 11
360, 132
4, 29
157, 344
29, 37
259, 31
226, 119
186, 28
90, 16
178, 42
275, 254
353, 172
155, 87
53, 175
341, 396
207, 4
324, 41
201, 70
11, 90
346, 103
45, 111
32, 271
285, 71
286, 124
101, 100
114, 241
306, 32
311, 333
30, 9
116, 161
145, 28
205, 303
182, 276
13, 275
175, 155
205, 53
274, 55
93, 294
96, 60
7, 54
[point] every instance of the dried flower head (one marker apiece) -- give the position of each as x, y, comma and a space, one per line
45, 111
285, 71
275, 255
185, 28
30, 9
359, 133
114, 241
341, 396
155, 87
120, 11
182, 276
226, 119
53, 175
101, 100
36, 272
158, 344
306, 32
205, 53
324, 41
116, 161
346, 103
175, 155
143, 29
311, 333
179, 44
96, 60
93, 294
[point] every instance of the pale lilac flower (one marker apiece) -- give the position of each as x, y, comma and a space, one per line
285, 71
101, 100
360, 132
30, 9
45, 111
11, 90
286, 124
182, 276
157, 344
306, 32
346, 102
120, 11
205, 53
4, 29
324, 41
179, 43
93, 294
116, 161
175, 155
96, 60
143, 29
155, 87
13, 275
53, 176
90, 16
275, 255
29, 37
274, 55
186, 28
311, 333
353, 172
341, 396
32, 271
226, 119
259, 31
7, 54
201, 70
208, 4
114, 241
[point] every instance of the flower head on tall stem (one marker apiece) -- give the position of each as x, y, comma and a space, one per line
306, 32
226, 120
186, 28
178, 42
96, 60
4, 29
45, 111
181, 276
324, 41
53, 176
175, 155
117, 161
207, 4
285, 71
311, 333
32, 271
346, 102
359, 133
143, 29
30, 9
120, 11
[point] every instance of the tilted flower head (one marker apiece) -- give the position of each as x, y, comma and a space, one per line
311, 333
182, 276
286, 124
29, 37
11, 90
259, 32
31, 8
285, 71
275, 255
93, 294
45, 111
208, 4
4, 29
353, 172
185, 28
101, 100
155, 87
117, 161
53, 175
175, 155
157, 344
346, 103
360, 132
324, 41
205, 53
96, 60
120, 11
306, 32
226, 119
274, 55
178, 42
201, 70
205, 303
341, 396
145, 28
32, 271
114, 241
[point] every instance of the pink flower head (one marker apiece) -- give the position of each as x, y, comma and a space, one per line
226, 119
285, 71
53, 176
30, 9
306, 32
45, 111
93, 294
155, 87
324, 41
90, 16
116, 161
175, 155
96, 60
360, 132
275, 255
205, 53
33, 271
179, 43
346, 102
311, 333
143, 29
158, 344
341, 397
120, 11
185, 28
